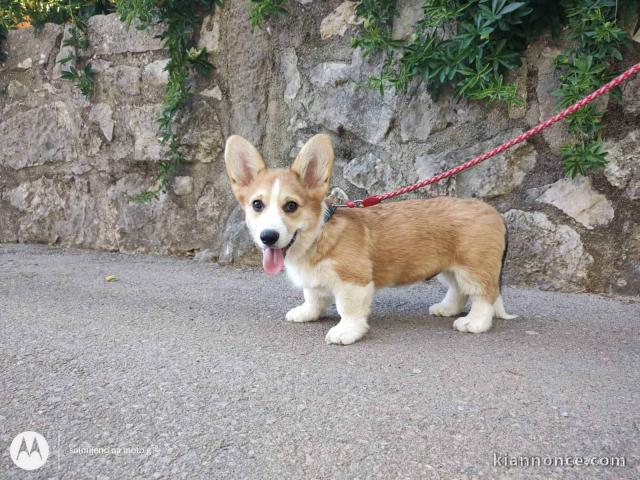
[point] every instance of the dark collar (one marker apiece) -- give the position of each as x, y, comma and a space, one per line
329, 211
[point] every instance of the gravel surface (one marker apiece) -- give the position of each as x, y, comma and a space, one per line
190, 370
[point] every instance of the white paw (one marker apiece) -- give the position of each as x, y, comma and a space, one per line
346, 334
444, 310
472, 324
302, 314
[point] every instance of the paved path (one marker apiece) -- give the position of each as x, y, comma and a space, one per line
192, 368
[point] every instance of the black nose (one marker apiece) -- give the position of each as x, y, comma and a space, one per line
269, 237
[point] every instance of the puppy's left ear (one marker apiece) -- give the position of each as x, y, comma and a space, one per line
314, 163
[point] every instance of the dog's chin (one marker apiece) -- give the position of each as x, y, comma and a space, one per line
273, 258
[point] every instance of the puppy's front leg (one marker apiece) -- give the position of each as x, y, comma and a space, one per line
315, 303
354, 305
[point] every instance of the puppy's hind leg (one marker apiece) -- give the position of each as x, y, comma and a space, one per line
500, 311
479, 319
453, 302
484, 292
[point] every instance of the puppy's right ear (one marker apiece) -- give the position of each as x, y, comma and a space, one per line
243, 163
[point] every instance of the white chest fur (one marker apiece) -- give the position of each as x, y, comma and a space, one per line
305, 275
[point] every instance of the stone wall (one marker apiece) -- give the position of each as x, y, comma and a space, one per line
65, 161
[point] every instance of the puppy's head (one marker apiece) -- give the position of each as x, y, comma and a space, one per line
283, 207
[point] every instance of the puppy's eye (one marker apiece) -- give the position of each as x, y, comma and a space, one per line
257, 205
290, 207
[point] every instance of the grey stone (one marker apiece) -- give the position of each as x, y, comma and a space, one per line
210, 32
626, 275
26, 48
420, 117
26, 64
251, 64
548, 81
498, 175
339, 104
56, 208
423, 117
409, 12
102, 115
578, 199
155, 75
15, 89
337, 22
631, 94
153, 227
213, 204
182, 185
125, 79
205, 255
141, 124
42, 135
623, 164
203, 141
371, 173
237, 245
544, 254
333, 74
108, 36
100, 65
214, 93
289, 62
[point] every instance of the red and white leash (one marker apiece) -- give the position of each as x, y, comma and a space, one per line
375, 199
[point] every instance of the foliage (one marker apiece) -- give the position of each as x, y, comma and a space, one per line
597, 42
581, 157
472, 44
377, 16
468, 44
83, 78
261, 9
182, 19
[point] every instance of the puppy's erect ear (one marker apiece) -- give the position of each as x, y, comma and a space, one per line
314, 163
243, 162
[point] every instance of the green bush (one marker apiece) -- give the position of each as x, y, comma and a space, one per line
472, 44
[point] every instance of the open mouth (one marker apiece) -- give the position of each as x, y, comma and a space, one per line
273, 258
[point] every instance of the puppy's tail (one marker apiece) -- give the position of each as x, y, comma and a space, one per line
498, 306
500, 312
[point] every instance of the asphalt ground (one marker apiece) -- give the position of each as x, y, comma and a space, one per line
179, 369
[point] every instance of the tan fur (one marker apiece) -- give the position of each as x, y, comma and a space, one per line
408, 241
357, 250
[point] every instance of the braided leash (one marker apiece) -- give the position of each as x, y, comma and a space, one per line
375, 199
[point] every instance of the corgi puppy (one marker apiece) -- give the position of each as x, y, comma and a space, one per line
347, 256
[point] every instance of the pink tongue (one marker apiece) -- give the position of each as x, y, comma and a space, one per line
272, 260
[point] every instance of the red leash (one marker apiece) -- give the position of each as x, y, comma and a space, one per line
375, 199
